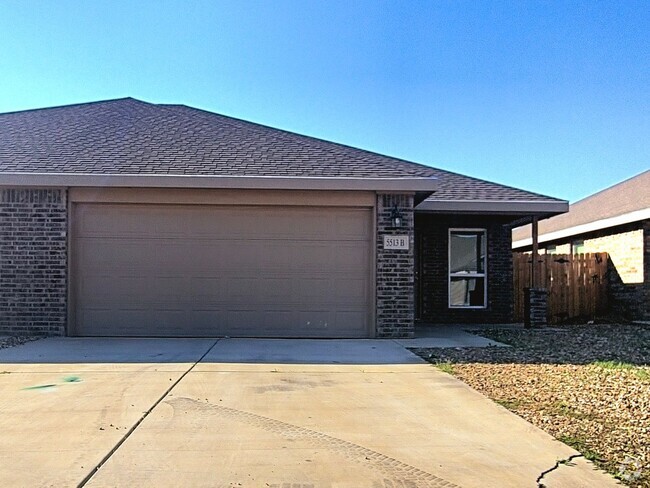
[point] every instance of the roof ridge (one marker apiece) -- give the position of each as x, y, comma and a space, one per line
71, 105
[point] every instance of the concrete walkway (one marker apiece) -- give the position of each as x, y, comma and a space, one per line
251, 413
448, 336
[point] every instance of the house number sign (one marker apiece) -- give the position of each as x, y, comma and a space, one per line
396, 242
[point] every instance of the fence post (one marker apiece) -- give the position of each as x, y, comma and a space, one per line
535, 297
535, 307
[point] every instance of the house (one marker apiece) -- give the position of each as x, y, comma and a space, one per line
127, 218
616, 221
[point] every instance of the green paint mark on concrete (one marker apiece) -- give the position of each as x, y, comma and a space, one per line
65, 379
40, 387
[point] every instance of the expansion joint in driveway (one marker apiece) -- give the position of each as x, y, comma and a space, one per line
141, 419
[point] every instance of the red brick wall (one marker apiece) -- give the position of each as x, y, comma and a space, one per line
432, 234
395, 313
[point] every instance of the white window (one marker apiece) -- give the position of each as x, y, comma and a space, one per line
467, 268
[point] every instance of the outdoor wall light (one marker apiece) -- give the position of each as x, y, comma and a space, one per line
396, 217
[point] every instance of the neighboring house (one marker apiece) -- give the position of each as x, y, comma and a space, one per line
617, 221
126, 218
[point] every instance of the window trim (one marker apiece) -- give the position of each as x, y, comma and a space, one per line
483, 275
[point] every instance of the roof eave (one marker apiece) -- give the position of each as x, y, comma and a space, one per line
576, 230
408, 184
505, 207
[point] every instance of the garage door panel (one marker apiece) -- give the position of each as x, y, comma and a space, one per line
350, 291
123, 292
316, 319
99, 288
349, 320
243, 318
131, 254
314, 290
114, 322
168, 318
240, 255
206, 287
350, 258
276, 319
169, 257
312, 227
276, 290
352, 227
243, 290
128, 220
312, 257
276, 257
204, 257
206, 320
172, 270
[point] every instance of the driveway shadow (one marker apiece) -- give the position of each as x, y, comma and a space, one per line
74, 350
69, 350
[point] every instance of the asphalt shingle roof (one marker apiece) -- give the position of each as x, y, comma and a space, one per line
128, 136
623, 198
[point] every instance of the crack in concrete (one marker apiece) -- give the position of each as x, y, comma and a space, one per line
558, 463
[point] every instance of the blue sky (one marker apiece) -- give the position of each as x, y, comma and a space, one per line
552, 97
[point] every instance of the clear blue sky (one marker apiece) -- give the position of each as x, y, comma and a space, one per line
549, 96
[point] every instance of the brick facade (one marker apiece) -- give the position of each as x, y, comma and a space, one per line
33, 261
432, 240
395, 298
535, 306
33, 265
630, 298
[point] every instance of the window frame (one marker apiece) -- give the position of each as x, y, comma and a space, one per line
483, 275
576, 244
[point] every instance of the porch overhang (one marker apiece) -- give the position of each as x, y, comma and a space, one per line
542, 209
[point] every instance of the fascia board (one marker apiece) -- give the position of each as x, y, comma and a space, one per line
588, 227
422, 184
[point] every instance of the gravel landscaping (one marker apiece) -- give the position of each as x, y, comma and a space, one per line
11, 341
587, 385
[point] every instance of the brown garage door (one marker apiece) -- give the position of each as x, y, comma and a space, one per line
199, 270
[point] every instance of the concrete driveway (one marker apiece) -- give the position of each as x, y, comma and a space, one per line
259, 413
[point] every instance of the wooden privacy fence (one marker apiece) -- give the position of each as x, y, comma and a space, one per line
576, 284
